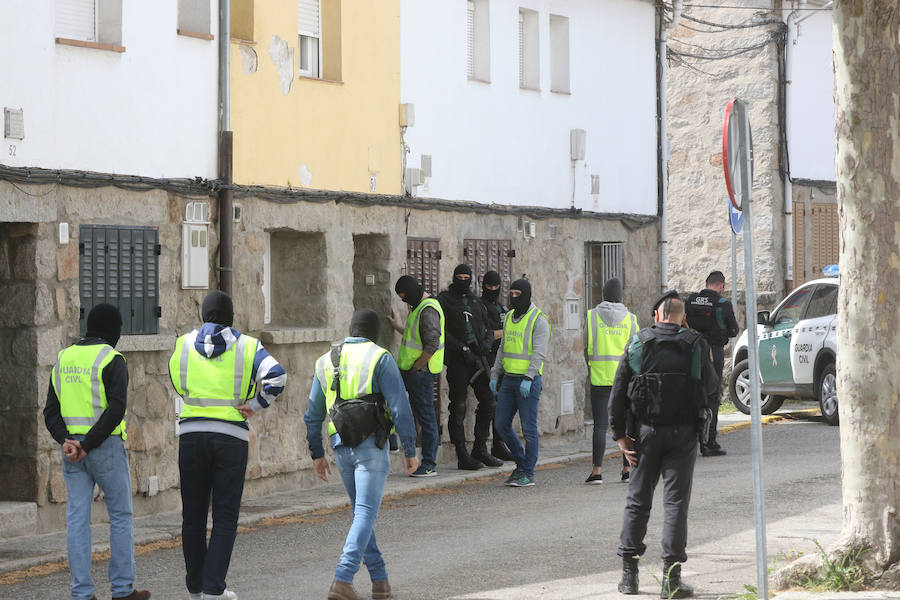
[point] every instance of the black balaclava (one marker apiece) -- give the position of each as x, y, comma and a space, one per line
411, 289
521, 304
461, 287
490, 278
364, 324
104, 322
217, 308
612, 290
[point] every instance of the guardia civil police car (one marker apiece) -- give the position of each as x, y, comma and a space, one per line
797, 350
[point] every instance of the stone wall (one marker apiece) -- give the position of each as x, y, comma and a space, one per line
338, 244
698, 92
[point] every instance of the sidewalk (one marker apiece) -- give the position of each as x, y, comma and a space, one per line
46, 553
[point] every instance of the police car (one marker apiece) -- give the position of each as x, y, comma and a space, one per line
797, 350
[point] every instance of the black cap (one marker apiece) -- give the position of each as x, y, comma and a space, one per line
662, 298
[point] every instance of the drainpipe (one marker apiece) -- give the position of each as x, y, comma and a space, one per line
663, 171
226, 148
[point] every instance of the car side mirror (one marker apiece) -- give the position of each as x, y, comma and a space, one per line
762, 317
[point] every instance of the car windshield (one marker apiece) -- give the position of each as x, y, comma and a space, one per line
792, 308
823, 302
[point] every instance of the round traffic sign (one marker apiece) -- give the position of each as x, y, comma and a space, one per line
737, 152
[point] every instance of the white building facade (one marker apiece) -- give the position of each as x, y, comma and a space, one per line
110, 86
522, 103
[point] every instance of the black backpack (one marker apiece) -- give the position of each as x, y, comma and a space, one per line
355, 419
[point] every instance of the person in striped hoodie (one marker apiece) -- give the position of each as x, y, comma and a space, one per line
224, 377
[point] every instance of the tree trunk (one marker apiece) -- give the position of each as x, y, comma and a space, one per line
867, 128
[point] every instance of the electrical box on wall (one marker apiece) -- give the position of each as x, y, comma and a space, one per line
194, 256
567, 398
573, 313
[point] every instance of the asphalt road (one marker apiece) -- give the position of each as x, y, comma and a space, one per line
482, 540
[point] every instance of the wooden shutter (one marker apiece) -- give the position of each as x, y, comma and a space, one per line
825, 237
470, 38
489, 255
308, 13
77, 19
423, 258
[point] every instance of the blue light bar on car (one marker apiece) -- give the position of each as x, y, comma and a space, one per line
831, 271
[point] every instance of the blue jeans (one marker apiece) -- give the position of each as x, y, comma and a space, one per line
364, 470
510, 401
107, 466
420, 387
212, 467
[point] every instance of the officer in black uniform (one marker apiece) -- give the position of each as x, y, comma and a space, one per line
467, 345
494, 312
664, 378
713, 316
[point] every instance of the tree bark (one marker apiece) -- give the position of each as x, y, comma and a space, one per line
867, 131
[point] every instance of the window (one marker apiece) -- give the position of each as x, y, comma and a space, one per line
529, 50
297, 288
120, 265
194, 18
559, 54
478, 40
823, 302
423, 261
790, 311
96, 22
242, 20
604, 261
489, 255
309, 12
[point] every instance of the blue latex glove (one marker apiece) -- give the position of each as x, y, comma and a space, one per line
493, 385
525, 387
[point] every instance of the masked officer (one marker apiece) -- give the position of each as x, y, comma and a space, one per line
520, 361
85, 413
713, 316
494, 313
664, 377
420, 359
609, 327
468, 344
224, 377
365, 374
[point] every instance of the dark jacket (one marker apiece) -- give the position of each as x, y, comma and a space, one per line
492, 314
115, 380
464, 325
712, 315
663, 361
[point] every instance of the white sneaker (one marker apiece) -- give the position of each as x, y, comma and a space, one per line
226, 595
197, 596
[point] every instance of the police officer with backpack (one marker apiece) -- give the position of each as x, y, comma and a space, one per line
713, 316
664, 378
358, 388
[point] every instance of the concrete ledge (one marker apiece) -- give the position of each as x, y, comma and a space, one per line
146, 343
296, 335
17, 518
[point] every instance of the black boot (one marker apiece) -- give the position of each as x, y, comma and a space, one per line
464, 461
672, 586
629, 582
480, 453
500, 450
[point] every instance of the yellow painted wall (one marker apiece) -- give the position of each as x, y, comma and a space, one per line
342, 131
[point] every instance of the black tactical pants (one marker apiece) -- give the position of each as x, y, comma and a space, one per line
459, 373
670, 452
714, 399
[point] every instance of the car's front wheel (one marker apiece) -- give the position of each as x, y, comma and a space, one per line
827, 391
739, 390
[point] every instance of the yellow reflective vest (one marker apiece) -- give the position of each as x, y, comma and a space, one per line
357, 364
605, 345
518, 342
212, 387
78, 383
411, 344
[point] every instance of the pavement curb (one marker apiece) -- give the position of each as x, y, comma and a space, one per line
15, 570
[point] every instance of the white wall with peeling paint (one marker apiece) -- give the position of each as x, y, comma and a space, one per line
494, 142
810, 96
151, 110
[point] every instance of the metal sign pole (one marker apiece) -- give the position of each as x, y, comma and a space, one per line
762, 575
733, 271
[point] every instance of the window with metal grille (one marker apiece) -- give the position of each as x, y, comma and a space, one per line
478, 40
603, 261
119, 265
489, 255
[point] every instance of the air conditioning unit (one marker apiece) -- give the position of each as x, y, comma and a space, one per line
414, 177
426, 165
